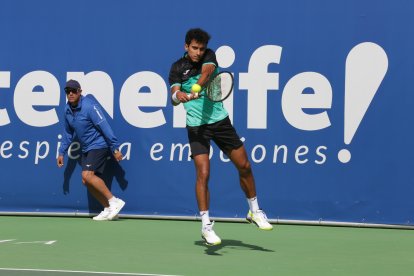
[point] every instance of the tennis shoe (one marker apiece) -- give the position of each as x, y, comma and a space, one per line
102, 215
114, 208
259, 218
209, 236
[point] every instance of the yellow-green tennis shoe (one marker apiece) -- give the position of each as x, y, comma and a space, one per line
209, 236
260, 219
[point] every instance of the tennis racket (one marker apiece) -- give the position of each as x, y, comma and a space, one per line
220, 86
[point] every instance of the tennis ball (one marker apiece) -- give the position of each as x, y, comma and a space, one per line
196, 88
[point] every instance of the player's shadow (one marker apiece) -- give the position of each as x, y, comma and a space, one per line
229, 244
113, 170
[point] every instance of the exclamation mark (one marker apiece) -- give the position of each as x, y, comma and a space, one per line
366, 66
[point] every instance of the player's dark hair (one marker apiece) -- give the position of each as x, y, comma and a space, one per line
198, 35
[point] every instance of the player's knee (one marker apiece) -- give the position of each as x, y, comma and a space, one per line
245, 168
203, 175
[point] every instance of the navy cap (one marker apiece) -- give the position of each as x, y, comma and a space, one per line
72, 84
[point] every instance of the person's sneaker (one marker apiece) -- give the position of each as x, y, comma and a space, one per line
209, 236
114, 208
259, 218
102, 215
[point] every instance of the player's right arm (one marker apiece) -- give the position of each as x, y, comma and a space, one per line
177, 96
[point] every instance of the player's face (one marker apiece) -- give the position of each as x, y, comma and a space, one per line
73, 95
195, 50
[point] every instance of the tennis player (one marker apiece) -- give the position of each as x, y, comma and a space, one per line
85, 119
207, 120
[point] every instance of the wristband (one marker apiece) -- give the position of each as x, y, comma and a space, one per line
174, 97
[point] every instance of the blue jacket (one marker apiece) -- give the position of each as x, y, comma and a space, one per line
89, 124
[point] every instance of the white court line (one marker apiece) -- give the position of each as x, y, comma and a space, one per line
90, 272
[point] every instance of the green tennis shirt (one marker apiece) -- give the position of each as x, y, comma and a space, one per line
184, 74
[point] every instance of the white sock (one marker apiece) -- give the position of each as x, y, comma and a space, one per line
253, 204
205, 218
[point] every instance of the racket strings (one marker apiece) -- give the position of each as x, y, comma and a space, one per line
220, 87
215, 89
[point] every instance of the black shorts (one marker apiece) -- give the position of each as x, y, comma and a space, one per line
221, 132
95, 160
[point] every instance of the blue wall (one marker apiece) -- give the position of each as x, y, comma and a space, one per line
316, 83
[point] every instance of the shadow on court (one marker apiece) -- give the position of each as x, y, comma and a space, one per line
113, 170
229, 244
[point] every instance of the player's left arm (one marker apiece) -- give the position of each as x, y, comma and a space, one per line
207, 70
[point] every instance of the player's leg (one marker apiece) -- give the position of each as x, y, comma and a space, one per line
199, 139
227, 139
202, 166
239, 158
229, 142
241, 162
